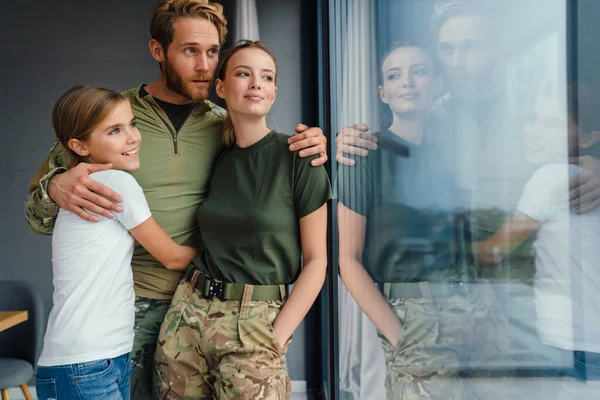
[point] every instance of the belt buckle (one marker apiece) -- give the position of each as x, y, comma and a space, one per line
216, 289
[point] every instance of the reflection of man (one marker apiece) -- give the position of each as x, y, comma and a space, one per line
487, 149
182, 137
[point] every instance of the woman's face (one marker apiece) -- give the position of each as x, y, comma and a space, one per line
249, 85
410, 84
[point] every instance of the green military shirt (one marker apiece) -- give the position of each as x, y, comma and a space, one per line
409, 202
175, 167
250, 221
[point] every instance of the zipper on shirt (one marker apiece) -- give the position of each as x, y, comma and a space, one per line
165, 120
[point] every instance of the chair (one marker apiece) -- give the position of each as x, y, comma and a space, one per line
21, 344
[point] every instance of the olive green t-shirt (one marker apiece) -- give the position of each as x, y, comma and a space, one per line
250, 220
409, 201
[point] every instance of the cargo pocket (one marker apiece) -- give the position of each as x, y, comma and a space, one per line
275, 387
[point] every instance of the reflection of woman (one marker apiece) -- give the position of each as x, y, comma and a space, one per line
396, 230
230, 323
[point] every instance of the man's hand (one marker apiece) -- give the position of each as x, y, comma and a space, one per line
75, 191
354, 140
584, 188
309, 141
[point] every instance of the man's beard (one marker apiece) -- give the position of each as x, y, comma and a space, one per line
176, 84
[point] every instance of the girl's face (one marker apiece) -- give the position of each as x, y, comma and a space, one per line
410, 84
249, 85
546, 133
115, 140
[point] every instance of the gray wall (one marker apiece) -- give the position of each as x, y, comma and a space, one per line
56, 44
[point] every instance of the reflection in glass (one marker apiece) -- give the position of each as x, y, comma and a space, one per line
468, 237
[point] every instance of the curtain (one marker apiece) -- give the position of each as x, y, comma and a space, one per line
246, 21
354, 72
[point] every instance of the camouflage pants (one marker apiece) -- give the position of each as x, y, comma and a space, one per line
149, 315
210, 349
439, 335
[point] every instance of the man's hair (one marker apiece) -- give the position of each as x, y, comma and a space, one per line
228, 133
79, 110
167, 12
443, 10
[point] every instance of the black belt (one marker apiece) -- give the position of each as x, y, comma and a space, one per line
210, 288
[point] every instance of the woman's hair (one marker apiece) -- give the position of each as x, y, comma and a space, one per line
79, 111
228, 133
167, 12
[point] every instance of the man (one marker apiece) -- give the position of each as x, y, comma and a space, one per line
181, 132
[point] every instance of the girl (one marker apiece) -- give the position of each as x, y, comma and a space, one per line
397, 243
90, 328
230, 323
567, 294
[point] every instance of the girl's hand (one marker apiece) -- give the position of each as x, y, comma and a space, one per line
488, 254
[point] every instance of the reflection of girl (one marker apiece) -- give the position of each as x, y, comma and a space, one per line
566, 244
396, 230
90, 328
229, 324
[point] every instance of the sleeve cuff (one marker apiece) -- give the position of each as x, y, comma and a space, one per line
44, 183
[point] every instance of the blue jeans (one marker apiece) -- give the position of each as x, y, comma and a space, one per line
107, 379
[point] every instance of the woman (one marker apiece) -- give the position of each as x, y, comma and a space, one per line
90, 328
230, 321
399, 239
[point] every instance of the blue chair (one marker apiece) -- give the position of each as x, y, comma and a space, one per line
21, 344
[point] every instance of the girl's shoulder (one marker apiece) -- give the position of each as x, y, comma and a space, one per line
117, 180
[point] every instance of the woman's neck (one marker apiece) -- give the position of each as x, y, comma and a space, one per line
410, 129
248, 130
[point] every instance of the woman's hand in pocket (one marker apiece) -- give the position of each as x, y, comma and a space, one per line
280, 338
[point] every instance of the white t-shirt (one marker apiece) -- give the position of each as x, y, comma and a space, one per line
567, 259
93, 312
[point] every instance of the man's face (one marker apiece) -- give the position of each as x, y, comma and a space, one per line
192, 58
465, 53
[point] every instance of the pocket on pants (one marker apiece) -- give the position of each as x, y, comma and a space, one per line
161, 385
275, 387
46, 388
90, 371
270, 315
256, 330
98, 380
174, 314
